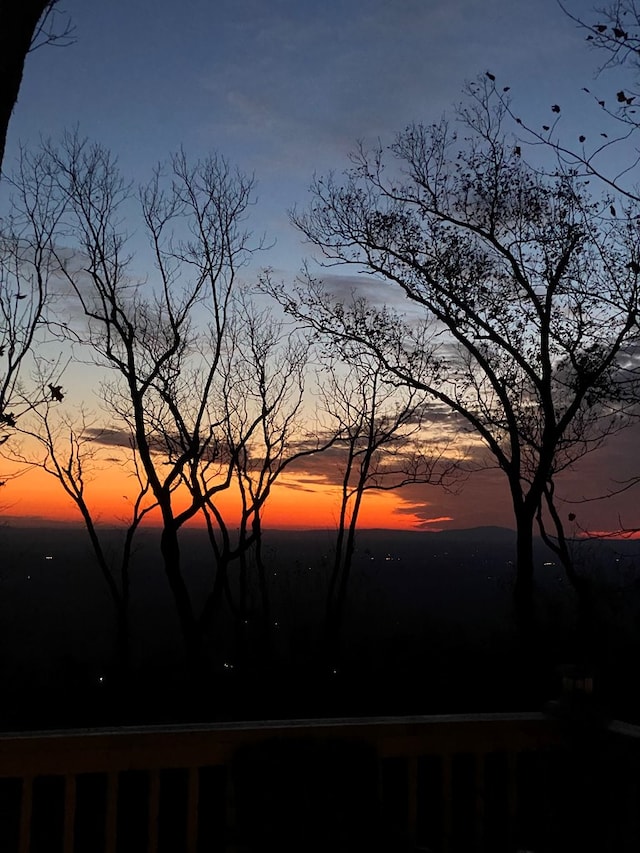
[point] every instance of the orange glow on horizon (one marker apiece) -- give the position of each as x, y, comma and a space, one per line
37, 498
610, 534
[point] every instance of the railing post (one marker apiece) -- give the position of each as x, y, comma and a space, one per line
230, 812
69, 812
447, 801
192, 810
412, 794
512, 796
479, 799
26, 804
111, 818
154, 811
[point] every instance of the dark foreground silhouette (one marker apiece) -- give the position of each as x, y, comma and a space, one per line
429, 629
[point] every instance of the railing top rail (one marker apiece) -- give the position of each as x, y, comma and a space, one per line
271, 725
199, 745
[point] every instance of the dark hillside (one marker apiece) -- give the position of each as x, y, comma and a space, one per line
429, 628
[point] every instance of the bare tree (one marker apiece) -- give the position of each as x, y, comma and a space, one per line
379, 427
265, 432
534, 285
610, 157
611, 154
68, 449
24, 26
27, 263
160, 339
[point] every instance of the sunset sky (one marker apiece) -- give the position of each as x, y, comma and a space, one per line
284, 89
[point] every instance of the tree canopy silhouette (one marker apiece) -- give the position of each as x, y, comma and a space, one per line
532, 288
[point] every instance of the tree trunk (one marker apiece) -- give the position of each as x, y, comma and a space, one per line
170, 549
216, 596
333, 616
119, 596
264, 587
123, 646
585, 603
334, 579
523, 590
345, 548
340, 596
18, 22
242, 618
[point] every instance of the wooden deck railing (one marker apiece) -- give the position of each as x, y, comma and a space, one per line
441, 783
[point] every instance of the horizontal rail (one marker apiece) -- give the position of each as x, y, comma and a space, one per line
445, 783
162, 747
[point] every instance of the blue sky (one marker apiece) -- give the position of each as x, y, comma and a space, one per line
284, 88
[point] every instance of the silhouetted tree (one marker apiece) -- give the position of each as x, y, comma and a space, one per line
379, 427
265, 432
534, 285
69, 449
161, 340
610, 155
27, 264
